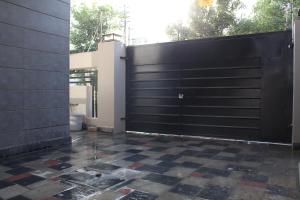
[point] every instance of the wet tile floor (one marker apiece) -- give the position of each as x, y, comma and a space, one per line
135, 167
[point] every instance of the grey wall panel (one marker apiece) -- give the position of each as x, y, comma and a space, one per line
11, 121
23, 17
12, 36
45, 80
53, 7
46, 61
11, 57
45, 99
11, 100
11, 79
45, 42
34, 62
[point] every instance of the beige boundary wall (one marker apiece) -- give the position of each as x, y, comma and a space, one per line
111, 83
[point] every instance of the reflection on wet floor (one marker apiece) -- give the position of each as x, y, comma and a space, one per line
138, 167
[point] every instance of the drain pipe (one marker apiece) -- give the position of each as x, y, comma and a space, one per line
296, 89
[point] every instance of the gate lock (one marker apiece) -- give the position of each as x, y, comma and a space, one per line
180, 96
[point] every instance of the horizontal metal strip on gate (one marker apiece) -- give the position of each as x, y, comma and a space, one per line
200, 78
191, 106
172, 88
198, 125
203, 116
196, 97
196, 69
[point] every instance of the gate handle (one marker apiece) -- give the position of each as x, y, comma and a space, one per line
180, 96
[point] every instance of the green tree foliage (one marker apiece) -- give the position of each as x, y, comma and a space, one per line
268, 15
221, 19
90, 24
207, 21
179, 31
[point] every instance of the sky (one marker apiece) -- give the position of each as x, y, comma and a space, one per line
149, 19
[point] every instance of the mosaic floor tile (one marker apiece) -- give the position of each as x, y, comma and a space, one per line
29, 180
135, 151
106, 163
188, 190
19, 197
169, 157
214, 172
61, 166
136, 158
4, 184
213, 192
153, 168
190, 165
163, 179
137, 195
19, 170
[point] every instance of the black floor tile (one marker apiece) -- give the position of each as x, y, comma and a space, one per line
29, 180
61, 166
163, 179
250, 157
135, 151
20, 197
167, 164
137, 195
283, 191
169, 157
214, 172
190, 153
4, 184
103, 167
188, 190
213, 192
191, 165
232, 150
154, 168
19, 170
227, 158
136, 158
158, 149
255, 178
65, 158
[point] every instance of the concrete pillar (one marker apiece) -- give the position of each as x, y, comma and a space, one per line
111, 86
296, 104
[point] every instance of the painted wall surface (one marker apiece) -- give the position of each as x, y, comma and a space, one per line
296, 106
34, 66
111, 83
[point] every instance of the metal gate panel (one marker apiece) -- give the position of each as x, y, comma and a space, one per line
236, 87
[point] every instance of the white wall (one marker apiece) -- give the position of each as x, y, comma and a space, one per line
111, 83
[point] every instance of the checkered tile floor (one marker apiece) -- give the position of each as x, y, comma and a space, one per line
132, 167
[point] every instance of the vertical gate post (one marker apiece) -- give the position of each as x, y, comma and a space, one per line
296, 93
111, 86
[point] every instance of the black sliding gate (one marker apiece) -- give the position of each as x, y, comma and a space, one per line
236, 87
